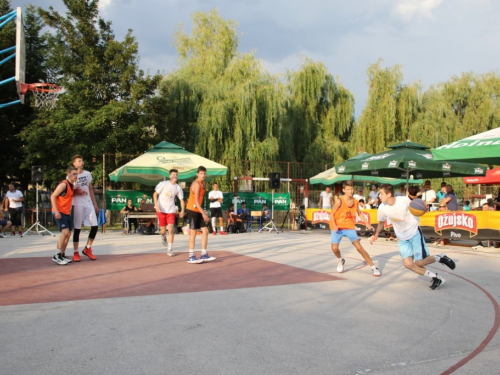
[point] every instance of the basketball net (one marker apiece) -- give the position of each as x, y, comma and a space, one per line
45, 94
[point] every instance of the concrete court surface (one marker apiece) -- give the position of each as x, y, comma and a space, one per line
270, 304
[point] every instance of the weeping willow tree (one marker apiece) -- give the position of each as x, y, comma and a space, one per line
390, 111
319, 116
463, 106
226, 104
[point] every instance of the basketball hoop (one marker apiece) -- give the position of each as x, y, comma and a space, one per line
45, 94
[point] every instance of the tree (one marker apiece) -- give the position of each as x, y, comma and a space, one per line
106, 97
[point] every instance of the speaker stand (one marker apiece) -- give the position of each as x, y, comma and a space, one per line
37, 224
271, 226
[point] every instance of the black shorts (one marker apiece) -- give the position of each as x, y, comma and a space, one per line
216, 211
196, 220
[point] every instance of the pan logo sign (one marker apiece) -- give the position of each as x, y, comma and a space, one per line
478, 171
393, 164
412, 164
455, 221
164, 160
365, 166
320, 216
446, 167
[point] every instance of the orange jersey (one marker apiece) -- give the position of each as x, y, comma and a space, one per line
345, 216
64, 202
191, 203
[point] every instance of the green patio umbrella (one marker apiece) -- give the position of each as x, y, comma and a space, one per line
479, 148
153, 166
405, 159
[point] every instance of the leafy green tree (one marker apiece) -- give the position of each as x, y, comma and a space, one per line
106, 98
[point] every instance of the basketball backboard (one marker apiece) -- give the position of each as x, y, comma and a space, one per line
20, 54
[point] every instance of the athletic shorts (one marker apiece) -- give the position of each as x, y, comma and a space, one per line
165, 219
85, 215
414, 247
216, 212
351, 234
196, 220
64, 222
3, 223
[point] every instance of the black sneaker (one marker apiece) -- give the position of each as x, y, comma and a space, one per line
447, 261
436, 283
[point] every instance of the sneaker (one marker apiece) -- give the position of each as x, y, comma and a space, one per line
170, 253
2, 235
376, 272
214, 233
207, 258
194, 260
88, 252
477, 247
436, 283
76, 256
66, 258
13, 233
59, 260
164, 240
340, 266
447, 261
222, 233
20, 232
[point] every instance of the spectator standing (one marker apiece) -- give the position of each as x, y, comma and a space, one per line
442, 192
372, 199
427, 194
216, 197
401, 192
326, 199
450, 199
359, 195
413, 192
16, 199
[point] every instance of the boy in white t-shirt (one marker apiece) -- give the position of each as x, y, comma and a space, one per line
326, 199
412, 247
164, 199
216, 197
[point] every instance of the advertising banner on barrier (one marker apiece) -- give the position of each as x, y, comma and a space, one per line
475, 225
117, 199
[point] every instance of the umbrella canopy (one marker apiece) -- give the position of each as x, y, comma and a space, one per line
331, 177
492, 178
480, 148
408, 158
153, 166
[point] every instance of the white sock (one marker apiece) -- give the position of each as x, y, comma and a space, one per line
213, 223
170, 246
437, 257
191, 252
222, 229
430, 274
203, 251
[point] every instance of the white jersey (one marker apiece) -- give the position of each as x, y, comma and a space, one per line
326, 201
215, 194
83, 182
15, 195
404, 223
166, 196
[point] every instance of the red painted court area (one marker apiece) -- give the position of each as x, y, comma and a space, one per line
39, 280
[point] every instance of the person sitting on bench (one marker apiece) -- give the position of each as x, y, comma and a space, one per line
244, 214
266, 215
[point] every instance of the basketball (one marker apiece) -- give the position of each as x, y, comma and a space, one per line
418, 207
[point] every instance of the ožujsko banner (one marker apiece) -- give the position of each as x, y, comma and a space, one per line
476, 225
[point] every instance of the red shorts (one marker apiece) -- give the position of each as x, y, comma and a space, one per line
165, 219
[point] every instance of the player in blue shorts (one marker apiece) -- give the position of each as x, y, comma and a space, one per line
412, 246
343, 223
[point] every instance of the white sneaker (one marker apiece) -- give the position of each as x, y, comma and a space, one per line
2, 235
170, 253
340, 266
376, 272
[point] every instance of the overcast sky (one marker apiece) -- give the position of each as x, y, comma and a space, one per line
432, 39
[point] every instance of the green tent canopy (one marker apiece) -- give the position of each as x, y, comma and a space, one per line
153, 166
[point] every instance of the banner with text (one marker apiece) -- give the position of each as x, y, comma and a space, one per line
117, 199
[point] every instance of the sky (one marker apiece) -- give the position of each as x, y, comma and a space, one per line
433, 40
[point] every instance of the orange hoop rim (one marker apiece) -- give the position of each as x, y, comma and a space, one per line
39, 87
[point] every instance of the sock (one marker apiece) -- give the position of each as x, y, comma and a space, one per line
430, 274
437, 257
213, 224
169, 246
203, 251
191, 252
222, 229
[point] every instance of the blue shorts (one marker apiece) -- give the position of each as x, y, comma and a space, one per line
3, 223
414, 247
64, 222
349, 233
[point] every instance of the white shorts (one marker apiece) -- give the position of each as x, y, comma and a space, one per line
85, 215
